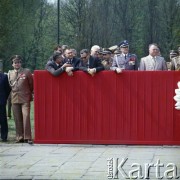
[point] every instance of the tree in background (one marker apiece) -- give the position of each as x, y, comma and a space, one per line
29, 27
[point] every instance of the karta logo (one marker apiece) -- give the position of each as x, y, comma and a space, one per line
116, 170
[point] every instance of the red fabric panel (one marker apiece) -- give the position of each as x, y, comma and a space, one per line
109, 108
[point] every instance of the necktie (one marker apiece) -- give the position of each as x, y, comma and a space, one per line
16, 75
125, 56
154, 62
70, 61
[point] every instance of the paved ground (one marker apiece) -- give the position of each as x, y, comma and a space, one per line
23, 161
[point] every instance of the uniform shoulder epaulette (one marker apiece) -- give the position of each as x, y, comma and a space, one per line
133, 54
175, 58
10, 71
26, 69
117, 55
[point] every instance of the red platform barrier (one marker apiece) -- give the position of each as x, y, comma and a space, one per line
110, 108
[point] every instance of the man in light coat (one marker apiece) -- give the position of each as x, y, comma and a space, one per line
153, 62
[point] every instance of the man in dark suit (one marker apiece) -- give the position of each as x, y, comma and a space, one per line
4, 93
56, 66
89, 63
73, 61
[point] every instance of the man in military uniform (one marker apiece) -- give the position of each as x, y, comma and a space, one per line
100, 54
107, 59
175, 63
125, 60
4, 93
21, 82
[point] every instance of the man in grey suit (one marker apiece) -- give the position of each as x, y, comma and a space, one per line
153, 62
125, 60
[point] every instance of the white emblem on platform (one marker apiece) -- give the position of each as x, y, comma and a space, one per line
177, 97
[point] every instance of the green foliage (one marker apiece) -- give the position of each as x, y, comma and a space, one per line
29, 27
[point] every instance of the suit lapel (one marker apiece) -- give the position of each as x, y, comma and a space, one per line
90, 62
150, 64
127, 58
55, 65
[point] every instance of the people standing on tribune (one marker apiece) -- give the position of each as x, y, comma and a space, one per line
21, 82
4, 93
125, 60
153, 62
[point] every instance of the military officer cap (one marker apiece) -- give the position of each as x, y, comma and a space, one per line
117, 51
16, 58
173, 52
106, 51
113, 48
123, 44
100, 51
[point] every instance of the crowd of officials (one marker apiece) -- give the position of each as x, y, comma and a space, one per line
17, 85
116, 58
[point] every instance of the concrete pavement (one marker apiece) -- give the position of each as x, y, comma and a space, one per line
63, 161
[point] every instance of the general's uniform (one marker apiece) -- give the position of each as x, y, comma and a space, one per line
149, 63
127, 62
21, 82
175, 63
107, 64
4, 93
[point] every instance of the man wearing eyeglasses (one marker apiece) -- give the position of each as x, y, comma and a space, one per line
89, 64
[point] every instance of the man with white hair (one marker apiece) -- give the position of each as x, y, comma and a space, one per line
95, 50
153, 62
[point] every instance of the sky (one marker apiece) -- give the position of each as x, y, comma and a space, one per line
52, 1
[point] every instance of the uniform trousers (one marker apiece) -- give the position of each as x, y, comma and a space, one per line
21, 114
3, 122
